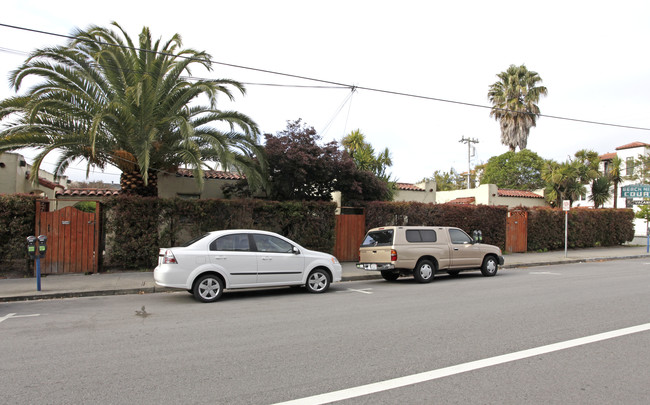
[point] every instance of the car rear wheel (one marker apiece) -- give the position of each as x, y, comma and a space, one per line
389, 275
318, 281
424, 271
490, 266
208, 288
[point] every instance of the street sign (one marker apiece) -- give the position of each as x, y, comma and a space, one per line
635, 191
566, 205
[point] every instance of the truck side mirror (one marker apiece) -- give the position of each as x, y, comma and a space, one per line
31, 246
480, 236
42, 245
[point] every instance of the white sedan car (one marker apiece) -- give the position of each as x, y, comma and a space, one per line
243, 258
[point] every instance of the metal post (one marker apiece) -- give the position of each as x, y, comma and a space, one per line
566, 233
38, 273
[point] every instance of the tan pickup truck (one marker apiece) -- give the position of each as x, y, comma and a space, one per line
423, 251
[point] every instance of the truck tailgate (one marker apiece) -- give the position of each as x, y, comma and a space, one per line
375, 255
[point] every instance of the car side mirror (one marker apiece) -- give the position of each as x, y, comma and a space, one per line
295, 250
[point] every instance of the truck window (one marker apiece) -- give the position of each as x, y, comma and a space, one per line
421, 235
459, 237
379, 238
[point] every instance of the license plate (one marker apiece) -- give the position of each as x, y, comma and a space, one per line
371, 266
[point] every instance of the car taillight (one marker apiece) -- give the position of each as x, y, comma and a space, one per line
393, 255
169, 258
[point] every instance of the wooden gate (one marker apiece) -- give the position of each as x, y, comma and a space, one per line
350, 230
72, 239
517, 231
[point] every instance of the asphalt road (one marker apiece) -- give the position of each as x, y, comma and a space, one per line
270, 346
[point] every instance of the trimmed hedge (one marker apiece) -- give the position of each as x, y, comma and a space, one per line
17, 222
138, 227
489, 219
587, 228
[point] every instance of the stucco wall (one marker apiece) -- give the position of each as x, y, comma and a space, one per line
13, 177
173, 186
488, 194
426, 195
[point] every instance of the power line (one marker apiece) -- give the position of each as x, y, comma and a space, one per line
391, 92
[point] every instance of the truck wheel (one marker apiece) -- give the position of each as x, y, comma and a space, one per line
490, 266
389, 275
424, 271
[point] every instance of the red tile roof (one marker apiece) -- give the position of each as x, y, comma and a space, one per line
462, 201
46, 183
518, 193
608, 156
88, 192
633, 145
408, 187
211, 174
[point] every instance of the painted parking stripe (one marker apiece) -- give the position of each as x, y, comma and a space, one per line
461, 368
4, 318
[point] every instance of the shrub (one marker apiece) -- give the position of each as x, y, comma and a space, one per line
137, 227
17, 222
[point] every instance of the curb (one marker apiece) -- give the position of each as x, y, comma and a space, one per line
79, 294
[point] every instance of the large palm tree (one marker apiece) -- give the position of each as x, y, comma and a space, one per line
514, 98
108, 100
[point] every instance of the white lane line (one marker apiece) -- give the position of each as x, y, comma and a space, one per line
363, 290
460, 368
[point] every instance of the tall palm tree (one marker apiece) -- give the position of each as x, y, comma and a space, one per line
107, 100
514, 98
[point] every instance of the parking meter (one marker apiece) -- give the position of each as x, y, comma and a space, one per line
31, 246
480, 236
42, 245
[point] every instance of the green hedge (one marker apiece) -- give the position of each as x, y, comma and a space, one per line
586, 228
17, 222
137, 227
489, 219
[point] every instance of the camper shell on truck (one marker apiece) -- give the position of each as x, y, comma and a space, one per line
423, 251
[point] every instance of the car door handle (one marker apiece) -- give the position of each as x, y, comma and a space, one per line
455, 248
219, 257
266, 258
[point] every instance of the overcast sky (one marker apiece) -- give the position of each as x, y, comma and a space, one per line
592, 56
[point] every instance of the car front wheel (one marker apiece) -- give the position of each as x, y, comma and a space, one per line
318, 281
490, 266
208, 288
424, 271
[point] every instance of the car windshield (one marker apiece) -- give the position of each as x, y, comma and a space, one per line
379, 238
193, 241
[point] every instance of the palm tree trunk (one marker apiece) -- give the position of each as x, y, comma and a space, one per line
132, 183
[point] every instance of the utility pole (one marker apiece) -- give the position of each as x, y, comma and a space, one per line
469, 142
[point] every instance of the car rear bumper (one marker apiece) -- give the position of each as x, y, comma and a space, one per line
375, 266
165, 276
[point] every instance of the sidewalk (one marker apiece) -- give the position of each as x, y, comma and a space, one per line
80, 285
